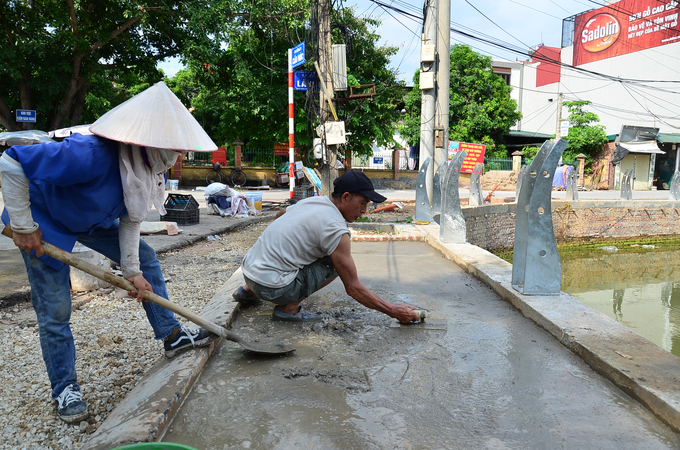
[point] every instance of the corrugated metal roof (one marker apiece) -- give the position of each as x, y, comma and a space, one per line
673, 138
529, 134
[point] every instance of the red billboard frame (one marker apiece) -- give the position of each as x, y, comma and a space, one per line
624, 27
475, 154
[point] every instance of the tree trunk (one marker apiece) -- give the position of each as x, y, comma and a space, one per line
26, 99
79, 105
66, 106
6, 119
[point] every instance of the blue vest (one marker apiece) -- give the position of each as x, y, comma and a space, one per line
75, 188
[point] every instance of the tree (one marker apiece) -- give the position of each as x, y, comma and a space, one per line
69, 59
584, 135
243, 86
367, 63
480, 107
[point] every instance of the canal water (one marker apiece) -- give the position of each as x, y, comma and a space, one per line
636, 283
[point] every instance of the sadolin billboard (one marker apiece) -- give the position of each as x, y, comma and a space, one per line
624, 27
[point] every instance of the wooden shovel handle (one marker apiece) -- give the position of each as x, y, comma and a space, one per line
71, 260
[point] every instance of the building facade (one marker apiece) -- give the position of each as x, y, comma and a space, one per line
625, 59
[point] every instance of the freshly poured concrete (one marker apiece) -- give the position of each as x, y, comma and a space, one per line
494, 379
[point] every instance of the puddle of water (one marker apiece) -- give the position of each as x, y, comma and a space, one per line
640, 290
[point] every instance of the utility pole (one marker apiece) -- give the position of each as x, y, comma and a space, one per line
441, 139
329, 171
427, 82
558, 133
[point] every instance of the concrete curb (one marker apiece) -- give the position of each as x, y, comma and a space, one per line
634, 364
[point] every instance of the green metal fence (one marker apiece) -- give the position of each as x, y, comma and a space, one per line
527, 162
257, 157
497, 164
250, 157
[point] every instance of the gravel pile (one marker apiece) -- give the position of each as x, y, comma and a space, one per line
114, 344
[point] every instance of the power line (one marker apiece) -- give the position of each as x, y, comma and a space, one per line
537, 10
559, 6
474, 35
489, 19
508, 47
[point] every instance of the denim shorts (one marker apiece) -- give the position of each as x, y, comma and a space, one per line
309, 279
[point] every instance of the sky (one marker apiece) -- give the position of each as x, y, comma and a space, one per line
515, 23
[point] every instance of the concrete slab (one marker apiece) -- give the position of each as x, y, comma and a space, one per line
493, 379
632, 363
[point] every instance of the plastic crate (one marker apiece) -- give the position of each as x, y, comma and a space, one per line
303, 191
182, 209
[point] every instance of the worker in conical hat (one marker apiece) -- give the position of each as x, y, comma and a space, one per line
96, 190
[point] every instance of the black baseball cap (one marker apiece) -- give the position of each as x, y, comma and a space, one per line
355, 181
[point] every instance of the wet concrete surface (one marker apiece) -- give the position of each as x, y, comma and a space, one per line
493, 379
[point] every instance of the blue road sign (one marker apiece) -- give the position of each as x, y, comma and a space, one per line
301, 79
378, 160
25, 115
298, 56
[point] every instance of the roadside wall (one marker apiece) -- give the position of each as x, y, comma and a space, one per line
382, 179
493, 226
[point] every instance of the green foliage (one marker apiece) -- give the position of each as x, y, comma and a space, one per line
530, 152
585, 136
368, 63
480, 107
67, 59
242, 90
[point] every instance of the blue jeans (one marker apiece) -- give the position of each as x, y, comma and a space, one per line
51, 298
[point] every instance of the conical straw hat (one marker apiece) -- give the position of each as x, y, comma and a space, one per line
154, 118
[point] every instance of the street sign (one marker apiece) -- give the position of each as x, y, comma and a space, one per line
25, 115
564, 128
302, 78
298, 56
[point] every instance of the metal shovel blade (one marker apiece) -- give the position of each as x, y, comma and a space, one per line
276, 347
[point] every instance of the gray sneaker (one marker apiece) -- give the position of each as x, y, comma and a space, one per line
301, 316
70, 405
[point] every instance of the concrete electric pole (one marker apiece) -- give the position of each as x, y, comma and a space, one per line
329, 171
558, 132
428, 68
441, 138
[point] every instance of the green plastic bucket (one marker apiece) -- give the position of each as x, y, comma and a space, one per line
155, 446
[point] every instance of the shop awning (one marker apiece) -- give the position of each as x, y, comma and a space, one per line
646, 147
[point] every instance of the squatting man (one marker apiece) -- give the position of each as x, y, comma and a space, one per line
307, 247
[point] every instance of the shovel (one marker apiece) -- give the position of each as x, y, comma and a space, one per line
276, 347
